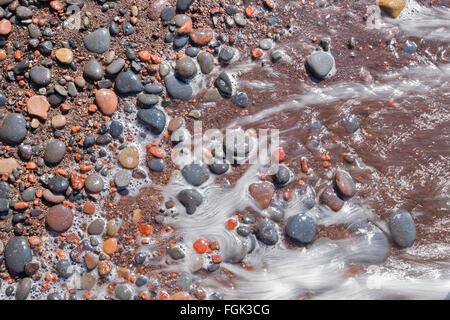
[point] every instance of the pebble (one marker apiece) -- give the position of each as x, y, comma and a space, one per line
267, 233
206, 62
192, 51
240, 100
96, 227
93, 70
41, 76
154, 119
115, 129
38, 106
175, 123
91, 261
282, 176
51, 197
219, 168
157, 165
392, 8
94, 183
178, 89
201, 37
111, 228
224, 84
276, 56
115, 66
110, 246
195, 174
183, 5
88, 280
123, 291
58, 121
122, 179
403, 230
129, 157
59, 218
8, 165
128, 82
410, 47
107, 101
319, 64
301, 227
54, 152
350, 123
64, 55
262, 193
226, 54
147, 100
240, 20
153, 88
190, 199
265, 44
23, 289
5, 27
29, 194
98, 41
176, 253
23, 12
167, 14
345, 184
13, 129
17, 254
330, 198
186, 68
64, 268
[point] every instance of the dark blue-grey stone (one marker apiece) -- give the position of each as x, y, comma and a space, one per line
41, 76
154, 119
319, 64
226, 54
128, 82
180, 40
190, 199
147, 100
224, 84
153, 88
4, 190
115, 129
93, 70
219, 168
267, 233
410, 47
301, 227
178, 89
403, 230
13, 129
167, 14
4, 205
64, 268
157, 165
115, 66
192, 51
350, 123
17, 254
240, 100
141, 281
206, 62
54, 152
98, 41
29, 194
195, 174
128, 29
58, 184
282, 176
183, 5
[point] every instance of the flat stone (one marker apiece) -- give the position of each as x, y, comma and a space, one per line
178, 89
129, 157
154, 119
146, 100
175, 123
219, 168
190, 199
107, 101
59, 218
403, 230
17, 254
122, 179
5, 27
41, 76
88, 280
319, 64
13, 129
8, 165
98, 41
38, 106
167, 14
128, 82
96, 227
345, 184
54, 152
301, 227
262, 193
195, 174
94, 183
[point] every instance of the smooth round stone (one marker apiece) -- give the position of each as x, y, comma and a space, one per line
4, 206
403, 230
186, 68
23, 12
88, 280
176, 253
157, 165
93, 70
5, 190
58, 184
96, 227
107, 101
128, 82
59, 121
350, 123
319, 64
276, 56
64, 55
167, 14
141, 281
267, 233
180, 19
46, 48
5, 27
262, 193
129, 157
330, 198
29, 194
123, 291
183, 5
153, 119
266, 44
128, 29
345, 184
178, 89
219, 168
201, 37
206, 62
98, 41
306, 196
180, 40
41, 76
175, 123
240, 20
195, 174
410, 47
190, 199
17, 254
226, 54
23, 289
147, 100
224, 84
282, 176
94, 183
115, 129
164, 69
25, 151
64, 268
111, 228
153, 88
301, 227
8, 165
115, 66
240, 100
59, 218
13, 129
54, 152
122, 179
192, 51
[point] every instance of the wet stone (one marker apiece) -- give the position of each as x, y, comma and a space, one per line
201, 37
240, 100
13, 129
64, 55
190, 199
206, 62
115, 129
282, 176
93, 70
154, 119
403, 230
29, 194
54, 152
58, 184
224, 84
186, 68
226, 54
276, 56
17, 254
123, 291
176, 253
262, 193
147, 100
51, 197
157, 165
59, 218
330, 198
350, 123
410, 47
107, 101
345, 184
178, 89
128, 82
88, 280
192, 51
96, 227
23, 289
98, 41
195, 174
141, 281
265, 44
94, 183
301, 227
115, 66
41, 76
122, 179
180, 41
129, 157
267, 232
319, 64
153, 88
219, 168
64, 268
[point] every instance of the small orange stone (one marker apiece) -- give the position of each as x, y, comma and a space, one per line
249, 11
256, 53
157, 152
89, 208
21, 205
201, 245
185, 28
145, 55
110, 246
145, 229
279, 154
231, 224
216, 259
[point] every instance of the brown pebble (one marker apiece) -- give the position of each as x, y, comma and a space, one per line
5, 27
38, 106
262, 192
59, 218
89, 208
107, 101
110, 246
